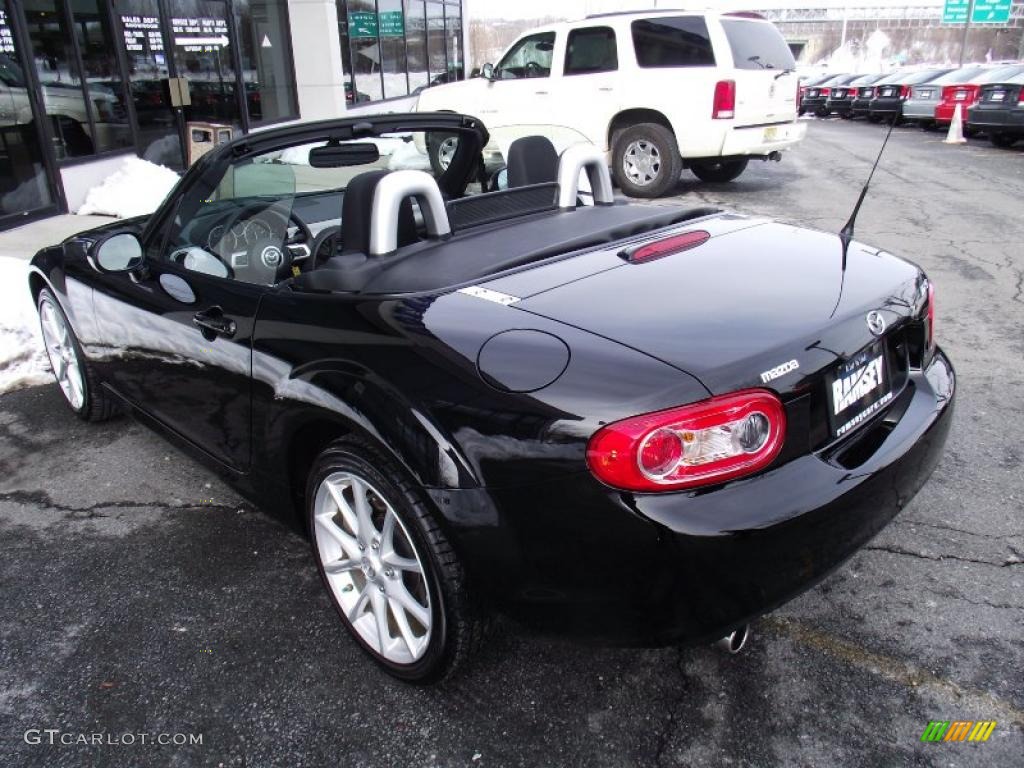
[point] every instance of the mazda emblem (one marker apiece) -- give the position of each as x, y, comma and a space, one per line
876, 323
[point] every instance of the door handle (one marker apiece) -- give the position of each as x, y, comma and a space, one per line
541, 93
606, 88
213, 323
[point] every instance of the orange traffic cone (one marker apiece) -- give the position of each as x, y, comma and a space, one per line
956, 128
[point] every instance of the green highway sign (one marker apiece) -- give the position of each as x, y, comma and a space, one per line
984, 11
392, 24
364, 24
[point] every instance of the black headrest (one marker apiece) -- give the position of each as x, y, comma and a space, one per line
532, 160
357, 210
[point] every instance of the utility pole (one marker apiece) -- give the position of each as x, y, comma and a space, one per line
967, 28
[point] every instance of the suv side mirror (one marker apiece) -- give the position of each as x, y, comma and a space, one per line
117, 252
487, 71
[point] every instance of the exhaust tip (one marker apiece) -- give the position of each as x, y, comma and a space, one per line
735, 641
775, 157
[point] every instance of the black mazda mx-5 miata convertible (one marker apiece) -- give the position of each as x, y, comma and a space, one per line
501, 391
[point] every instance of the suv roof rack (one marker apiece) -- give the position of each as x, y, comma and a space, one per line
631, 13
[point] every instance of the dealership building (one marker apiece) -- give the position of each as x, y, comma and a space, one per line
86, 83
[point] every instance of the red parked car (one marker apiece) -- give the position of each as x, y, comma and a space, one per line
966, 94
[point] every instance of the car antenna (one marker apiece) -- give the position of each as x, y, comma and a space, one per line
846, 233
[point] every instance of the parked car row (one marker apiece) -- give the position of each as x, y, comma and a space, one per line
991, 98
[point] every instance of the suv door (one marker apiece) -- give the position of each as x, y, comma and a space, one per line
521, 89
765, 72
588, 97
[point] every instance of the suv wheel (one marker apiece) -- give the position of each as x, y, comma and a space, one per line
646, 161
718, 170
441, 149
393, 577
76, 378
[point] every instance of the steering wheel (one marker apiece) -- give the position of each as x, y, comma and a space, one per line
533, 69
269, 260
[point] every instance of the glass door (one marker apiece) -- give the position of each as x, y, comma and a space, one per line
159, 135
203, 46
26, 177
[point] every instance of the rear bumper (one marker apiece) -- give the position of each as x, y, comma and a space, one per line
763, 140
1004, 120
919, 110
886, 107
576, 557
841, 107
860, 107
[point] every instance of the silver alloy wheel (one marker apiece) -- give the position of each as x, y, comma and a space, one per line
641, 162
372, 567
446, 151
61, 351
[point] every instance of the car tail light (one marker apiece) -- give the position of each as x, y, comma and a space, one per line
1020, 98
712, 441
826, 91
725, 100
665, 247
904, 91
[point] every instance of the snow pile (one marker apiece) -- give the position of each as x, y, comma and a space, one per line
136, 189
23, 360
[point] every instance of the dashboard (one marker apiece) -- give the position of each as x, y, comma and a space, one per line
242, 234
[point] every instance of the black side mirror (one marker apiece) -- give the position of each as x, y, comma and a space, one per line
487, 71
116, 252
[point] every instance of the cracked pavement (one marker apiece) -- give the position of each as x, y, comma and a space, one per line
142, 595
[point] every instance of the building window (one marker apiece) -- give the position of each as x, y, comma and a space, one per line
393, 48
86, 117
267, 69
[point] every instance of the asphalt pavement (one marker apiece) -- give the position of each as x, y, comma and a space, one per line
142, 596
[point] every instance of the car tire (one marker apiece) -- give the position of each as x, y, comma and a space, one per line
930, 126
646, 161
440, 148
76, 378
720, 171
1002, 140
411, 560
874, 118
822, 112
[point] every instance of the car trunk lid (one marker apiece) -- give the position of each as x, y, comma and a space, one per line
740, 304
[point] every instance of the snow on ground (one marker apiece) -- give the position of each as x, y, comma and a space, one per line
137, 188
23, 360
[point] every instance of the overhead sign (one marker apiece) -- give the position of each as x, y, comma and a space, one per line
983, 12
366, 24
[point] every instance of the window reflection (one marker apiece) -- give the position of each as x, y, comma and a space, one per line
391, 26
266, 59
416, 44
102, 74
23, 182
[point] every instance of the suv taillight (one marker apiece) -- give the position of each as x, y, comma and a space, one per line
725, 100
712, 441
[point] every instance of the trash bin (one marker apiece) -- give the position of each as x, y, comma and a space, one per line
202, 137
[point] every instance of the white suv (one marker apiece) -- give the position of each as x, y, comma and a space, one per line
657, 91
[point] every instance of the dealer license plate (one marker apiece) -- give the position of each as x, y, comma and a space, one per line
925, 94
998, 95
771, 133
858, 389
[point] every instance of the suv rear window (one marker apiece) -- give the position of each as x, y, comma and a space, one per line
757, 45
677, 41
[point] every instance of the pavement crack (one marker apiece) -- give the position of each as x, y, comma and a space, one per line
893, 550
664, 736
44, 500
954, 529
